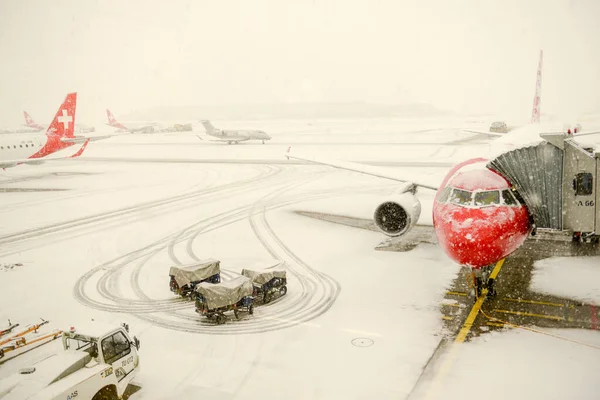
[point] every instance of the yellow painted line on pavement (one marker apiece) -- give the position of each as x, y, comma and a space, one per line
527, 314
464, 331
460, 338
451, 304
447, 318
457, 293
544, 303
495, 324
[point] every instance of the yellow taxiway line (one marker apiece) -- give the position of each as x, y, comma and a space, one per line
457, 293
460, 338
527, 314
464, 331
543, 303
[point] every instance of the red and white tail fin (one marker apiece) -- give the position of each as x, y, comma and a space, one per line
537, 100
111, 118
30, 123
112, 121
28, 120
63, 124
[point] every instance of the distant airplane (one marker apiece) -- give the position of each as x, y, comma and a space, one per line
144, 127
32, 148
30, 123
234, 136
499, 128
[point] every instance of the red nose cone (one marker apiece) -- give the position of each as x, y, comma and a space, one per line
477, 237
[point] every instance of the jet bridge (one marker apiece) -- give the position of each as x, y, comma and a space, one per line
558, 182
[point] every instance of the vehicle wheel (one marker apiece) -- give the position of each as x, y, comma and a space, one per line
267, 298
106, 393
236, 313
220, 319
283, 290
251, 309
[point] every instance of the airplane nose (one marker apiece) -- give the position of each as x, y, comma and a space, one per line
479, 237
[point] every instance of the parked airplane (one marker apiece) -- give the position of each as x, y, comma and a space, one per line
30, 123
477, 216
34, 148
499, 128
234, 136
145, 127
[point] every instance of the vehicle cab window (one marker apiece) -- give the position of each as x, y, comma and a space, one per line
487, 198
114, 347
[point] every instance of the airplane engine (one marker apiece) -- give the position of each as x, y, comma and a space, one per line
397, 216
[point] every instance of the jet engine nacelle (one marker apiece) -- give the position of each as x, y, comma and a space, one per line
398, 215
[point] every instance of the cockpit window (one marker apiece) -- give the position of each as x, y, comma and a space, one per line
461, 197
488, 198
508, 198
444, 194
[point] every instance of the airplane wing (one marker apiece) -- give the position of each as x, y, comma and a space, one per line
83, 139
492, 134
37, 161
386, 173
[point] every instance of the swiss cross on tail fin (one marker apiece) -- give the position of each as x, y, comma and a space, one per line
63, 124
110, 116
28, 119
537, 100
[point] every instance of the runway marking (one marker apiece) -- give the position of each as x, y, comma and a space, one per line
498, 324
462, 335
527, 314
544, 303
451, 305
460, 338
447, 318
457, 293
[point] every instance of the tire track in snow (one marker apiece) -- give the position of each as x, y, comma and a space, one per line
19, 239
317, 291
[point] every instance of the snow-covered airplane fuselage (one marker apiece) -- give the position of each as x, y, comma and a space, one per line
478, 219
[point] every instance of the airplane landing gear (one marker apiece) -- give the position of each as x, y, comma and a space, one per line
482, 281
263, 142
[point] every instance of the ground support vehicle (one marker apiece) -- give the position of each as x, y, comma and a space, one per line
213, 301
267, 284
184, 278
97, 362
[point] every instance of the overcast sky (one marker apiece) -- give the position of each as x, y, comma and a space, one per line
469, 56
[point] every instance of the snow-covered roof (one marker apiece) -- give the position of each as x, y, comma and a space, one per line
92, 329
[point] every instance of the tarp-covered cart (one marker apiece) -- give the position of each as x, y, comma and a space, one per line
184, 278
269, 283
214, 300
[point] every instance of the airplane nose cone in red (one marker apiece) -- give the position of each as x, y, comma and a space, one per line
477, 237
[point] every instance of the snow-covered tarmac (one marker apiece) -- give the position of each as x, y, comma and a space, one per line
355, 324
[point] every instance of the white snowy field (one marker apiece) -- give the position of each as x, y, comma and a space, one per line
123, 224
577, 278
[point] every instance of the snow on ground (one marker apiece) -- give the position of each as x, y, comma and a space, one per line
572, 277
519, 364
301, 345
